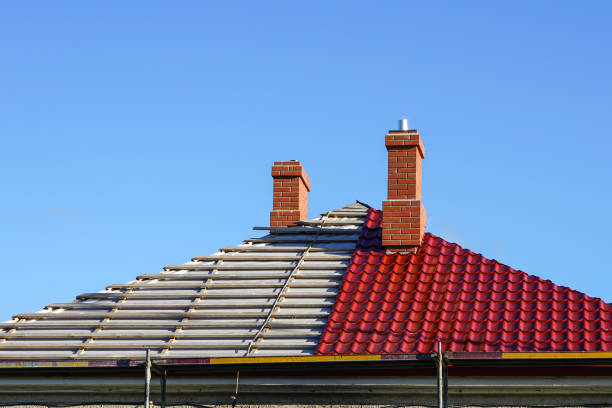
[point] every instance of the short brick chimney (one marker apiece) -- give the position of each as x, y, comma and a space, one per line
291, 187
403, 213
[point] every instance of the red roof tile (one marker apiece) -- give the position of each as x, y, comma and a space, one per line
405, 303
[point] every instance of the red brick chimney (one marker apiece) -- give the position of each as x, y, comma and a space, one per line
291, 187
403, 213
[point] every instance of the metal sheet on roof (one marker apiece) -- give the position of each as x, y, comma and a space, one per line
269, 296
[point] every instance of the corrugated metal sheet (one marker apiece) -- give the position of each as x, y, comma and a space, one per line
269, 296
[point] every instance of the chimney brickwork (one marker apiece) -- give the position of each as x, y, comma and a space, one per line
291, 187
404, 216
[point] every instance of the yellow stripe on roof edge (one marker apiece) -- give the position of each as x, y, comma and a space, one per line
573, 354
292, 359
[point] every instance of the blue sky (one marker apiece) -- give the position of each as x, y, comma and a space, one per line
140, 134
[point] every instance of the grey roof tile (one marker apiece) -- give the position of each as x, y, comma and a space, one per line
269, 296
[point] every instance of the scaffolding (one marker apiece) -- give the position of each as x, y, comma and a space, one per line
311, 379
440, 360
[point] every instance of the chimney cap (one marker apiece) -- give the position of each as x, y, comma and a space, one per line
403, 124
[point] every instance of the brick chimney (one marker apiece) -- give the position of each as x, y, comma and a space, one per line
403, 213
291, 187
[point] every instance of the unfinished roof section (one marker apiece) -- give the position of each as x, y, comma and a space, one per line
268, 296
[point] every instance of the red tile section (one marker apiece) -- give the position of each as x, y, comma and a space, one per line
405, 303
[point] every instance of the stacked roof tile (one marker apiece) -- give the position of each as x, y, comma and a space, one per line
406, 303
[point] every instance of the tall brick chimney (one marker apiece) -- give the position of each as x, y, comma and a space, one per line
291, 187
404, 216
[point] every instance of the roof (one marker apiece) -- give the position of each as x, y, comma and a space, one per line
323, 287
268, 296
406, 303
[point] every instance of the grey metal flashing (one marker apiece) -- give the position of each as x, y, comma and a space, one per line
237, 304
282, 249
177, 295
270, 258
301, 240
231, 276
262, 266
331, 222
308, 230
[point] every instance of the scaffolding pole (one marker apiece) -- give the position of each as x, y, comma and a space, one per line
162, 383
147, 379
442, 378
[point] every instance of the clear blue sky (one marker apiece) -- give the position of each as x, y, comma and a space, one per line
140, 134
